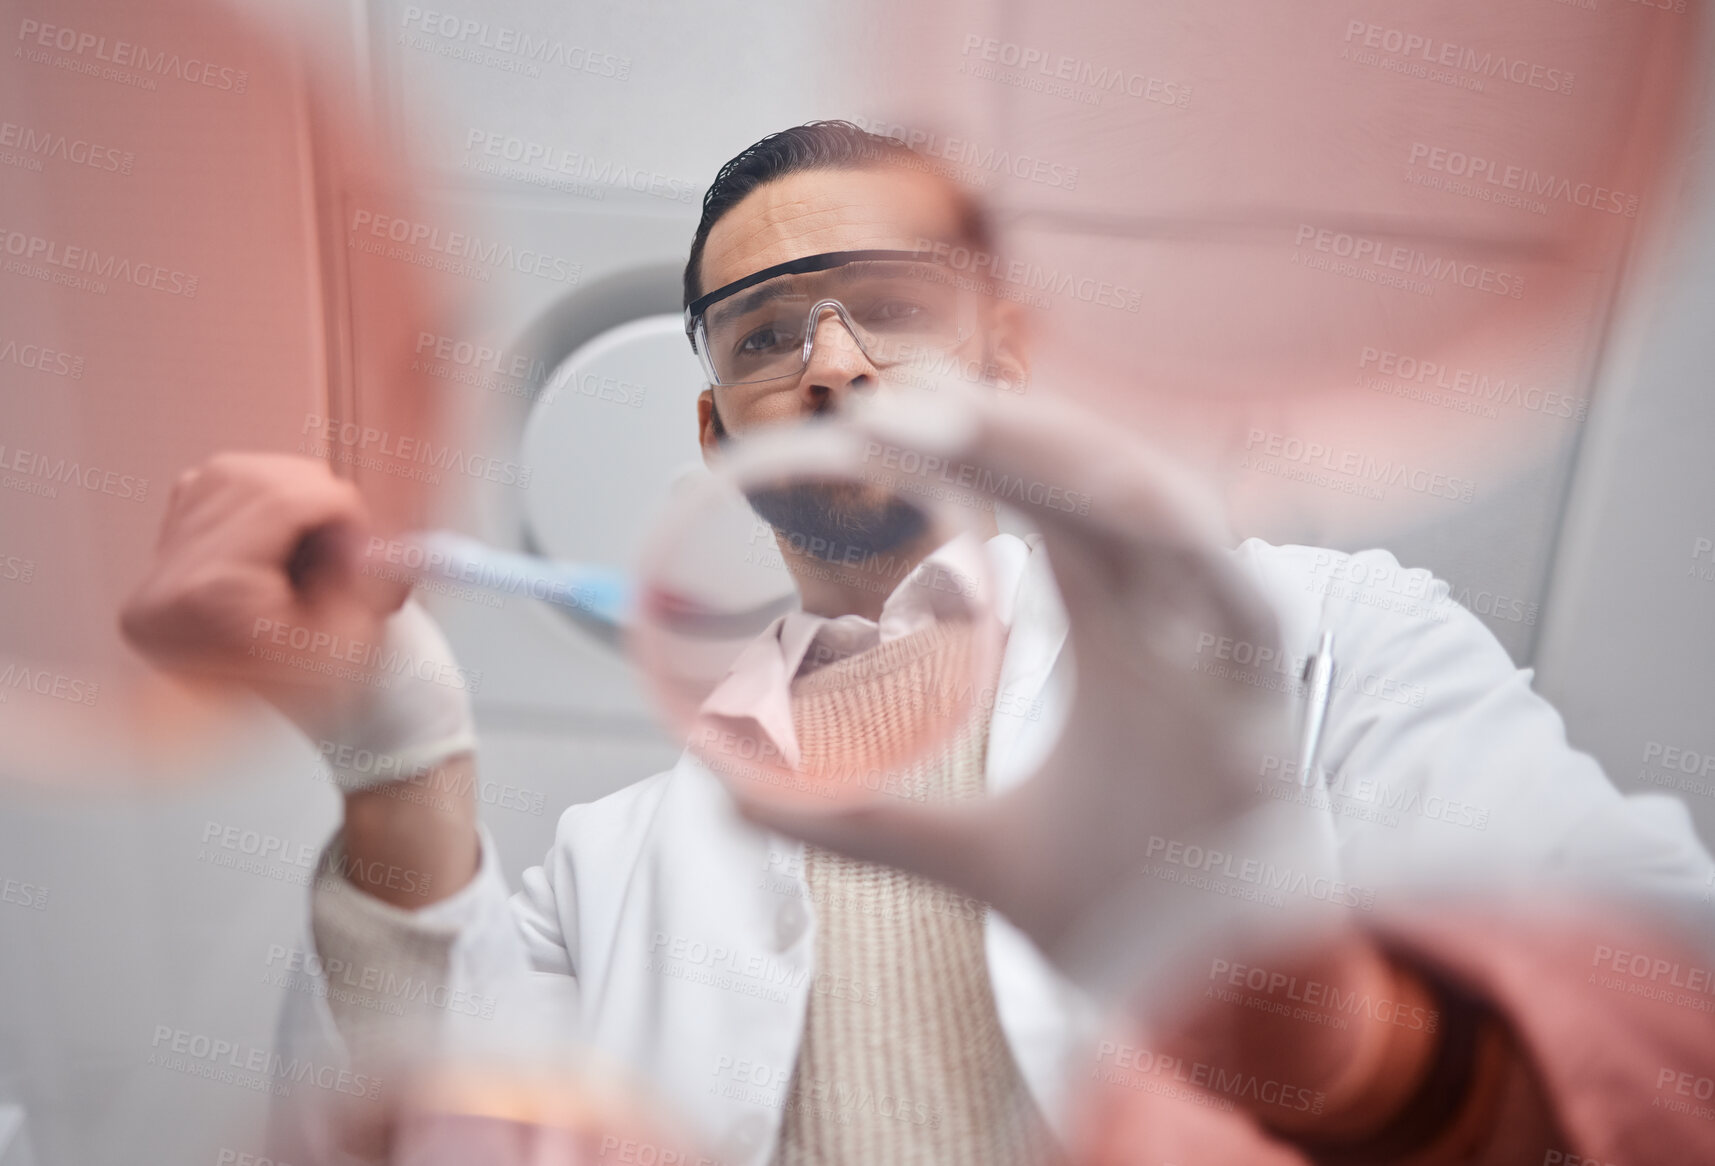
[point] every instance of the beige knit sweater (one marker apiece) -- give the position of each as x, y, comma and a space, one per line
903, 1059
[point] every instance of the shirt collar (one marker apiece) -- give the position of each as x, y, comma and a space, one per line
756, 694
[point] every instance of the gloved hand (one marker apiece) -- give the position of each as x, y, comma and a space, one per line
411, 715
258, 579
1152, 747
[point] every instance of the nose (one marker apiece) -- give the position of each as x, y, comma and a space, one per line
837, 365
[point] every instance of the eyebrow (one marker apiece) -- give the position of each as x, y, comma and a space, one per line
776, 289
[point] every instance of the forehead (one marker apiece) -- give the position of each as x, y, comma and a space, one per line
813, 211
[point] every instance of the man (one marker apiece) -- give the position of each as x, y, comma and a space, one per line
762, 986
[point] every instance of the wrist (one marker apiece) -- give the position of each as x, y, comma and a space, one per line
411, 715
1334, 1039
411, 843
1425, 1092
1391, 1051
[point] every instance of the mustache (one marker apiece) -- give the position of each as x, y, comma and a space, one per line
838, 522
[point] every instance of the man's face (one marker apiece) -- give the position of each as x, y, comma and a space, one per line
810, 213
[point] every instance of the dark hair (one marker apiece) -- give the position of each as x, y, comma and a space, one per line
816, 145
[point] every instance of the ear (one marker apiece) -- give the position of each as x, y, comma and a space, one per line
1009, 346
709, 430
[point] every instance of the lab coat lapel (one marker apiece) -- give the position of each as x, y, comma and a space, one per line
721, 941
1027, 707
1045, 1018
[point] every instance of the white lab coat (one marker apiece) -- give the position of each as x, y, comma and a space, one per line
666, 932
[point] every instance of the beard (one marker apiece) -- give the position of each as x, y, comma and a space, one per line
838, 522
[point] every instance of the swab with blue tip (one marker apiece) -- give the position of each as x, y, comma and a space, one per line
603, 594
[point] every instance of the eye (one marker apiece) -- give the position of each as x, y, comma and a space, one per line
898, 310
767, 339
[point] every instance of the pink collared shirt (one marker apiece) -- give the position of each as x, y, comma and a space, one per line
758, 689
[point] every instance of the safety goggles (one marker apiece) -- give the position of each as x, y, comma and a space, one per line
898, 305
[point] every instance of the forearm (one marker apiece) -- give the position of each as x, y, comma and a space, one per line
1401, 1069
414, 843
397, 854
1309, 1022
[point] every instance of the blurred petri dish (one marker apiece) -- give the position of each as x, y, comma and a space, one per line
226, 274
817, 619
516, 1115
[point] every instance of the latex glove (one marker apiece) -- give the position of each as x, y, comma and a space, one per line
1151, 747
412, 715
258, 580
